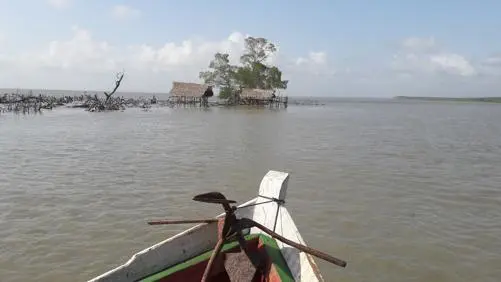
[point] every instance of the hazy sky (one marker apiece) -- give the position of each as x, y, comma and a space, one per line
326, 48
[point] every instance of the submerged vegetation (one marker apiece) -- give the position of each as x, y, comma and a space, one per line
30, 103
254, 70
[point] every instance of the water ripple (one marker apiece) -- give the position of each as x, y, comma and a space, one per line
403, 192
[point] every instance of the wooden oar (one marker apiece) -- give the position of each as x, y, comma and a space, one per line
248, 223
182, 221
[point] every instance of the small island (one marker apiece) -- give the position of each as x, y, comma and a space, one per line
452, 99
253, 81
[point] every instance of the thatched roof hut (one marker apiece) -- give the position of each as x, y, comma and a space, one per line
184, 89
248, 93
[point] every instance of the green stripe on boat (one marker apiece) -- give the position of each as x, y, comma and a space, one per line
270, 245
276, 257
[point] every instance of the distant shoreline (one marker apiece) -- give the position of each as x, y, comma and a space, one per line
452, 99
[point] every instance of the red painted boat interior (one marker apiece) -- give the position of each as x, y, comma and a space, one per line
195, 272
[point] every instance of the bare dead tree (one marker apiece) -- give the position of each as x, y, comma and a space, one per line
120, 76
95, 104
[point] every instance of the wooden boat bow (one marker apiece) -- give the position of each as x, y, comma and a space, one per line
230, 227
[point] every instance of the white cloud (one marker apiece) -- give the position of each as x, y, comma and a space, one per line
123, 12
493, 61
59, 4
422, 55
192, 53
490, 66
418, 44
80, 53
83, 61
453, 64
3, 57
315, 64
83, 52
315, 58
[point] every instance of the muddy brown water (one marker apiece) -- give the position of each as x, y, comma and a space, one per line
403, 191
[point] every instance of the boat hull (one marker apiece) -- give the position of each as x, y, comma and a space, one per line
274, 268
268, 209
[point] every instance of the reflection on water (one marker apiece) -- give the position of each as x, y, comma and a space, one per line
402, 191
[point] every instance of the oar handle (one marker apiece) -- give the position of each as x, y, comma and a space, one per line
183, 221
209, 266
306, 249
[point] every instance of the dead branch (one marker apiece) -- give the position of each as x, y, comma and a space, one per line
120, 76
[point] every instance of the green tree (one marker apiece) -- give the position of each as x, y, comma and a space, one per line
252, 73
257, 50
274, 80
221, 75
